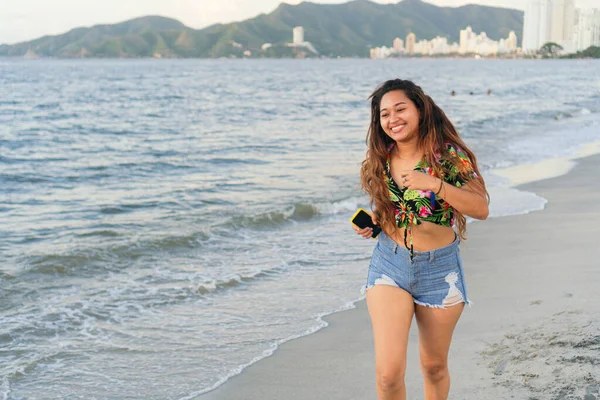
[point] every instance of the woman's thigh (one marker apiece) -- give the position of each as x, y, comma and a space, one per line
436, 326
391, 310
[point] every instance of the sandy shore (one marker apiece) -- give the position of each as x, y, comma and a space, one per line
532, 333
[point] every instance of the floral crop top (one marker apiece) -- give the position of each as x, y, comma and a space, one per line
415, 206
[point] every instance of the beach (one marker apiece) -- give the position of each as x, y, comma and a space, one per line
533, 331
167, 225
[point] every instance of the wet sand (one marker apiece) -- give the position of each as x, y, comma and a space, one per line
533, 331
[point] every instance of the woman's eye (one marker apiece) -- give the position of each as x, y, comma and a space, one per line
400, 110
384, 115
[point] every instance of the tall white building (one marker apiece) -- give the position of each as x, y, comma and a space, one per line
411, 41
587, 30
511, 42
570, 20
557, 18
298, 35
536, 24
562, 21
398, 45
467, 41
549, 21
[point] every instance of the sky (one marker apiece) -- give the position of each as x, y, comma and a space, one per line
23, 20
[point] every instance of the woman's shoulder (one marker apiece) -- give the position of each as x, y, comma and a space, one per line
458, 161
453, 150
445, 151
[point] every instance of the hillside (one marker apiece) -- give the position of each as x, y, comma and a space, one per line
346, 30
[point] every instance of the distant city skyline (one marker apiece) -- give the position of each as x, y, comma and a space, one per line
470, 43
29, 19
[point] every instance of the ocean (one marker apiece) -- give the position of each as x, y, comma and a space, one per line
166, 223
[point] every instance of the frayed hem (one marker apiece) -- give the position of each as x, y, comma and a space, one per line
443, 306
364, 289
384, 280
428, 305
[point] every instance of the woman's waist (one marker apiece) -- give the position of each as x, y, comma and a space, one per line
426, 236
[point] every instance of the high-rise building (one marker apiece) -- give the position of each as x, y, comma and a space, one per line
570, 21
439, 45
530, 25
587, 30
562, 21
511, 43
557, 26
398, 45
536, 24
549, 21
411, 40
466, 40
298, 35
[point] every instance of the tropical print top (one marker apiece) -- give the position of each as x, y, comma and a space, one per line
414, 206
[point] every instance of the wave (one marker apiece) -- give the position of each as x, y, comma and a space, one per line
52, 264
24, 367
32, 160
483, 124
250, 161
26, 178
577, 111
91, 261
301, 211
107, 249
236, 280
47, 106
102, 233
125, 208
6, 276
5, 388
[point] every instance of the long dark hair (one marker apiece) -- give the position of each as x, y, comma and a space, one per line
435, 130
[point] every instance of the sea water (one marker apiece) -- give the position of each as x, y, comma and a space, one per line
167, 222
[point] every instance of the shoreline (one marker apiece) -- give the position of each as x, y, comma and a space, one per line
522, 174
241, 385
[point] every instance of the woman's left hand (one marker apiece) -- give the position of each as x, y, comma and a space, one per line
417, 180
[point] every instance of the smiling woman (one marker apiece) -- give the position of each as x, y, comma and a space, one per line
421, 177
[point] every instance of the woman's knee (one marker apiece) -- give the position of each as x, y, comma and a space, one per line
434, 370
390, 378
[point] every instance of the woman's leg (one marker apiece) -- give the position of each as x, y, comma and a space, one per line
391, 310
436, 326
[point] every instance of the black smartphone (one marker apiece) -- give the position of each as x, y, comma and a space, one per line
362, 219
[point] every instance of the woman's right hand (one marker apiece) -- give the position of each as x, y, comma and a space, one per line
367, 232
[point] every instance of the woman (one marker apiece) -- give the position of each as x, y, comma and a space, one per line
421, 178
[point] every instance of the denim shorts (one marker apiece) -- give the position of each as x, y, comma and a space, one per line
434, 278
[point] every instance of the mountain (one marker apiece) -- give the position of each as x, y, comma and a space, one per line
347, 30
136, 37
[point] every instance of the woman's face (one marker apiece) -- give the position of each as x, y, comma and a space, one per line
399, 116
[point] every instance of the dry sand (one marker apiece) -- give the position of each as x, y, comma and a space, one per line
533, 331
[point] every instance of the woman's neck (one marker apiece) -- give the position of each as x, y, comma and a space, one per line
408, 151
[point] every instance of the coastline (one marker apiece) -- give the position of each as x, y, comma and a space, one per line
546, 169
531, 315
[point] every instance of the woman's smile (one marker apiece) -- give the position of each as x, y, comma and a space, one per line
397, 128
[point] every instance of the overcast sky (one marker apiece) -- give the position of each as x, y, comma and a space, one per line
22, 20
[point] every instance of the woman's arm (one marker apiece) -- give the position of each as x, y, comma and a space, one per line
467, 199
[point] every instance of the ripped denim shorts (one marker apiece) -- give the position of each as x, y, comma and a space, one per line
435, 278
